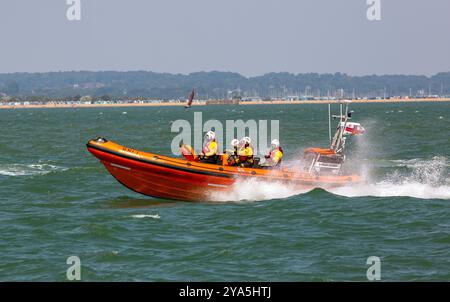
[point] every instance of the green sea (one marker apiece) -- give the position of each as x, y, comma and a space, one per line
57, 201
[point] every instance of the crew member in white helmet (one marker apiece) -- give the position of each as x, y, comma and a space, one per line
274, 156
209, 152
233, 158
245, 152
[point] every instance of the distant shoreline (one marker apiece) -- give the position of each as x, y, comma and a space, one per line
203, 103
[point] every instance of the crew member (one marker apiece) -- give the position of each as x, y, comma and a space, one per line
232, 156
245, 153
273, 158
209, 152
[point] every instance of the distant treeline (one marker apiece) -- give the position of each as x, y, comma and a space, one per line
151, 85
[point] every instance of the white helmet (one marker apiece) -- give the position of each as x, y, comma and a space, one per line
210, 135
234, 143
275, 143
246, 140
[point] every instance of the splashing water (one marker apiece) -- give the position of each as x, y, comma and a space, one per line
386, 189
256, 190
425, 179
434, 172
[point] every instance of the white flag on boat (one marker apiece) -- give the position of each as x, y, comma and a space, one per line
353, 128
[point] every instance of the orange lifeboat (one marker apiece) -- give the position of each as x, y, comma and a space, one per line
175, 178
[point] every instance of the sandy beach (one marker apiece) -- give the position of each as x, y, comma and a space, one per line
203, 103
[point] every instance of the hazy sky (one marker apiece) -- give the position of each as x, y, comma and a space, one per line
251, 37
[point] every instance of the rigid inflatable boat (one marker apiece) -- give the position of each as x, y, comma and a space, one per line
177, 178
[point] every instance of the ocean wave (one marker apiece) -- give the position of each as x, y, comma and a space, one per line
27, 170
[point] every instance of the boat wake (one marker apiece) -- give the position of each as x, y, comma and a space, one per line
387, 189
257, 190
27, 170
418, 178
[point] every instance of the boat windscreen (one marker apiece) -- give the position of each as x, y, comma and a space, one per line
330, 159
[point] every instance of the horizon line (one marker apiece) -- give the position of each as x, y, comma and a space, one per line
222, 71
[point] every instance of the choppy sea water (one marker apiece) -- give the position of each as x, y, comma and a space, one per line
56, 200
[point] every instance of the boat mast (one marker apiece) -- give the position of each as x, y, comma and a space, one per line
338, 142
329, 121
343, 126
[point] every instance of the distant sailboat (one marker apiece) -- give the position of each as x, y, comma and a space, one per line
190, 99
